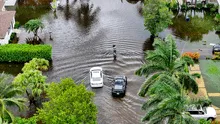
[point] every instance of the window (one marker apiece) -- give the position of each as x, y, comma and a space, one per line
194, 112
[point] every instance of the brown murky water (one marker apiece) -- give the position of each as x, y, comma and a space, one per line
83, 33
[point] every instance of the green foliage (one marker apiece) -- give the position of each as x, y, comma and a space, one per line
33, 25
167, 101
184, 7
12, 37
174, 7
36, 64
31, 120
203, 121
24, 52
69, 103
210, 5
217, 18
17, 25
199, 6
32, 79
9, 97
165, 60
157, 16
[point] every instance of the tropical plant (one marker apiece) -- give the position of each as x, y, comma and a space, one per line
9, 97
36, 64
165, 62
157, 16
32, 80
167, 103
33, 25
69, 103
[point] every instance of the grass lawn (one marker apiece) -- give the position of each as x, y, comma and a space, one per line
211, 74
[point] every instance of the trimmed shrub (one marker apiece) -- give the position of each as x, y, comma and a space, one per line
24, 52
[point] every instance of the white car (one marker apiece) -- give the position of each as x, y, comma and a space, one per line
207, 113
96, 77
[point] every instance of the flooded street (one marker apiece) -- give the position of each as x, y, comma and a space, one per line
83, 34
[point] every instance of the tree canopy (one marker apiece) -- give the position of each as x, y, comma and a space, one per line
157, 16
164, 62
69, 103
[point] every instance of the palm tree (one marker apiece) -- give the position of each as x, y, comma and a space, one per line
165, 61
8, 97
169, 102
33, 26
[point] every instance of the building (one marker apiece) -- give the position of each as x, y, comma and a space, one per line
7, 21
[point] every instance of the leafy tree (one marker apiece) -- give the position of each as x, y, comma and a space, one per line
69, 103
33, 25
164, 62
9, 97
32, 80
157, 16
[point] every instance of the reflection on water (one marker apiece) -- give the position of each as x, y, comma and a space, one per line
200, 23
31, 9
11, 68
82, 12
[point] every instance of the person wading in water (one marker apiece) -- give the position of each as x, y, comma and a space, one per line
114, 52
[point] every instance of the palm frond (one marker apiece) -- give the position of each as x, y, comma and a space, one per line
144, 88
148, 69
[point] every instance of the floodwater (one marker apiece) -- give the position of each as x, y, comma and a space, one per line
83, 33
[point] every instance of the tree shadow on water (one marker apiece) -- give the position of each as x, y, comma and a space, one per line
148, 44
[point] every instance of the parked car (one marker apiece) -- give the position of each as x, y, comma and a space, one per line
119, 86
199, 112
96, 77
215, 48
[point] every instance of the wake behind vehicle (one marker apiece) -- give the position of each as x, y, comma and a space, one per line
96, 77
119, 86
199, 112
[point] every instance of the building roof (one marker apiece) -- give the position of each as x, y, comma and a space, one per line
5, 21
1, 5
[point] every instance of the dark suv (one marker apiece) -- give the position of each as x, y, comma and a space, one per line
215, 48
119, 86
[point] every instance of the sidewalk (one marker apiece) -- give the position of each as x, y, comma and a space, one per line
202, 90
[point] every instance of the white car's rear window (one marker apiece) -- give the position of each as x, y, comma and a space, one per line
96, 74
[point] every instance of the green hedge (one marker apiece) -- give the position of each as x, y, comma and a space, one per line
24, 52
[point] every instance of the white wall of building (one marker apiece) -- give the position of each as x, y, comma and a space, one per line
8, 33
